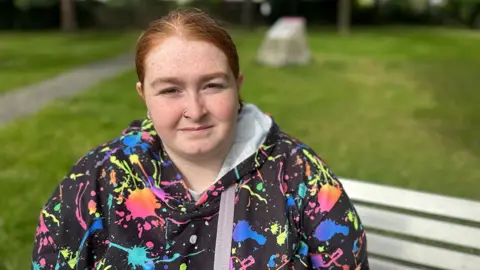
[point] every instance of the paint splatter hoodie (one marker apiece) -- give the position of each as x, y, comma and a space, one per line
124, 205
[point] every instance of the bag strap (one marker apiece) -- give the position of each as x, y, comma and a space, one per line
223, 245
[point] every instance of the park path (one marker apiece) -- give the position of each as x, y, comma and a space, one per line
28, 100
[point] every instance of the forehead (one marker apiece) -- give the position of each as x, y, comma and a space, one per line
178, 56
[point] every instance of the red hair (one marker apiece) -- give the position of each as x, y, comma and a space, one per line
191, 23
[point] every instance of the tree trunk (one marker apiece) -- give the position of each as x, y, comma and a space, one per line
67, 16
247, 15
344, 17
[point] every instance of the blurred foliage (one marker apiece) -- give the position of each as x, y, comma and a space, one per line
43, 14
25, 4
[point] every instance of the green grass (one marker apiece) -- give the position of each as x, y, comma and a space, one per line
26, 58
397, 107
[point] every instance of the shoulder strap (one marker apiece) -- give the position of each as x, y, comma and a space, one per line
223, 245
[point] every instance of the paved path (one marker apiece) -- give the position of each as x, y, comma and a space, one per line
28, 100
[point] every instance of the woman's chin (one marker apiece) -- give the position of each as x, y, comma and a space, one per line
199, 151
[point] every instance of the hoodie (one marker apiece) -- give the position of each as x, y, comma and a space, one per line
124, 205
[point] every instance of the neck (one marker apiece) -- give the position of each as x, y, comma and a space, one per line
199, 172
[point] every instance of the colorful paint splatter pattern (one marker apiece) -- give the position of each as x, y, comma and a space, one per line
124, 206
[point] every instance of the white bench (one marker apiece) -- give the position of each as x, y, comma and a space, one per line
443, 233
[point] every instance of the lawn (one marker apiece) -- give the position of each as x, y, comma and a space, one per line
392, 106
26, 58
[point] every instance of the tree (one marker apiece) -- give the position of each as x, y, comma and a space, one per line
344, 16
247, 14
68, 19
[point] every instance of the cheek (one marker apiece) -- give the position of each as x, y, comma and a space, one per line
165, 115
224, 108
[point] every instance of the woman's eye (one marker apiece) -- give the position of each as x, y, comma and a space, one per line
169, 91
214, 85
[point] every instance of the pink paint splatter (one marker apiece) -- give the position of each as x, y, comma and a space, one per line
142, 203
149, 244
78, 209
42, 228
328, 196
92, 207
147, 226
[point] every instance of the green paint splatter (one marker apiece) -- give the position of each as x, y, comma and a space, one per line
183, 266
57, 207
353, 218
302, 190
110, 201
260, 186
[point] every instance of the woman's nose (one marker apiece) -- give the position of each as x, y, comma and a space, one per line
194, 109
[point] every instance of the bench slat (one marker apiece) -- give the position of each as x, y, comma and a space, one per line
379, 264
420, 254
412, 200
420, 227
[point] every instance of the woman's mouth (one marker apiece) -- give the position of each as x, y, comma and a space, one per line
198, 128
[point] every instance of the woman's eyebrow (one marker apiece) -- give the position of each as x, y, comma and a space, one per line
214, 75
177, 81
169, 80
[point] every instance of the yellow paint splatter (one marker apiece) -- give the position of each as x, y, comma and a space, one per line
75, 176
321, 249
274, 228
183, 266
234, 250
254, 194
134, 159
69, 257
52, 216
281, 238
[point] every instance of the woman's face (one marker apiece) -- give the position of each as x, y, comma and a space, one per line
192, 96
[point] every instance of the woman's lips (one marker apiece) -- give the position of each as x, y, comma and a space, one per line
199, 128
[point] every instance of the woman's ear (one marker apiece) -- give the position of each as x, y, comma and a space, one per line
239, 81
140, 90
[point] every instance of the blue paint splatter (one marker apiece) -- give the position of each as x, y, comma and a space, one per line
303, 249
243, 231
149, 266
271, 262
327, 229
132, 141
355, 246
97, 225
35, 266
290, 200
166, 259
137, 256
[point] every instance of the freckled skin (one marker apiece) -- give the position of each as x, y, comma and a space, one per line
189, 60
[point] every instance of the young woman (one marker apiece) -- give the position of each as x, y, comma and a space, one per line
203, 182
